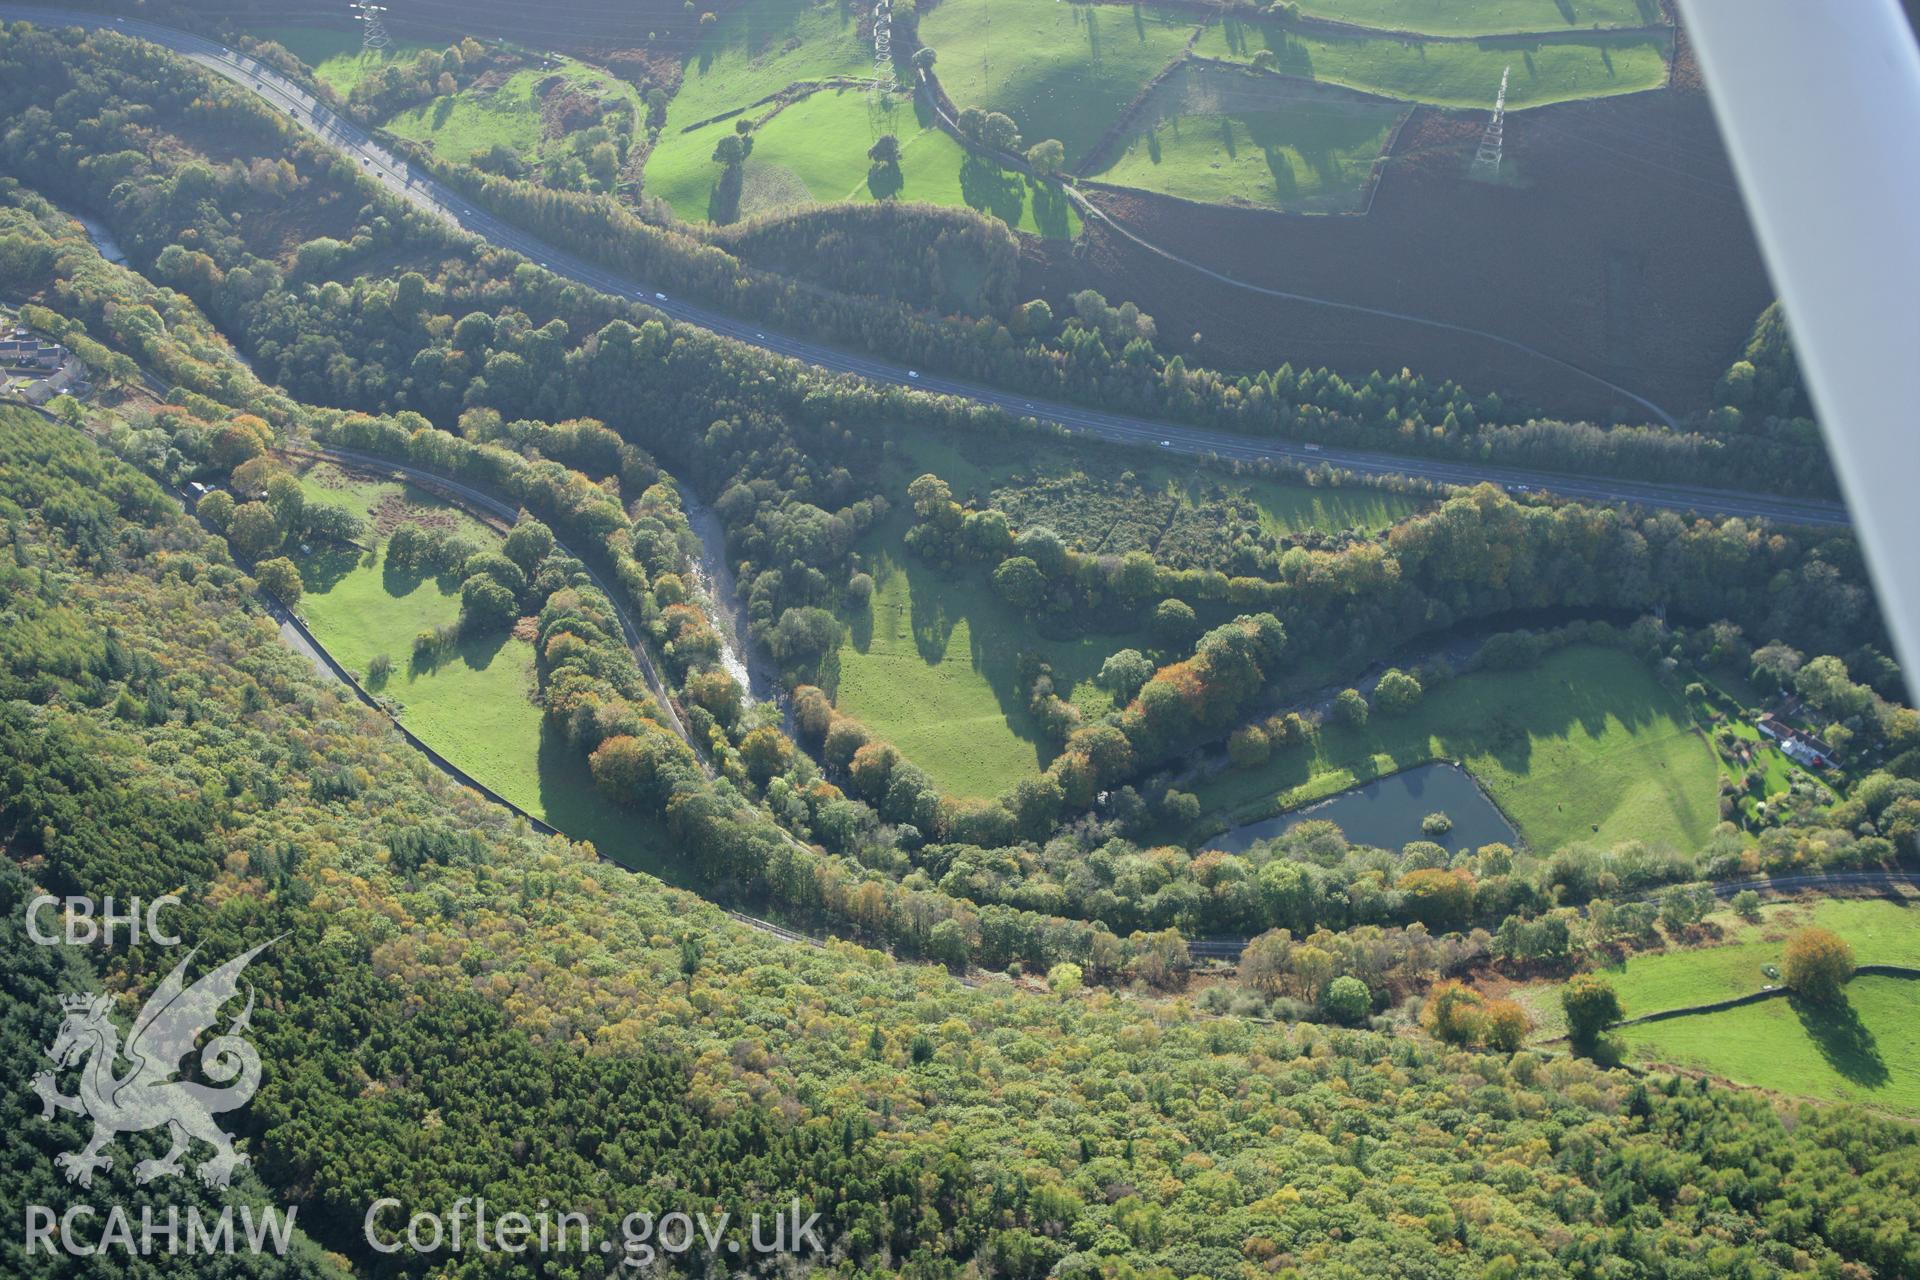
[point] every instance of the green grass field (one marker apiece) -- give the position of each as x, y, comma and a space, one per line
1881, 931
1061, 71
1453, 73
1229, 138
1585, 747
932, 666
1865, 1050
760, 49
1296, 508
1485, 17
335, 56
815, 152
1070, 71
384, 503
476, 707
457, 125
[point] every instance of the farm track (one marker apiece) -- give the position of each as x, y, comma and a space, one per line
401, 180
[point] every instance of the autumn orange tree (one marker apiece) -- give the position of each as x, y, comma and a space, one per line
1818, 963
1505, 1025
1458, 1014
1454, 1012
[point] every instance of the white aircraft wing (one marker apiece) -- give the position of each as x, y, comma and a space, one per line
1819, 101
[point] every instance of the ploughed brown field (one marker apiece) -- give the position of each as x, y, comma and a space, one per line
1621, 246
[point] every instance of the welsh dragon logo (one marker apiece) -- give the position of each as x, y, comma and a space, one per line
145, 1095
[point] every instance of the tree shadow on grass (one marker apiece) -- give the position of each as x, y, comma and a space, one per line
826, 675
860, 626
723, 202
1843, 1040
474, 651
1286, 183
399, 578
324, 570
1050, 209
990, 189
576, 806
479, 651
1291, 56
1477, 721
929, 617
427, 659
884, 181
1506, 729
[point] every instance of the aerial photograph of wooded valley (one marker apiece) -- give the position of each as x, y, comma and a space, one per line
954, 639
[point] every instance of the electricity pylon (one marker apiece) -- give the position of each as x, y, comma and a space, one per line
373, 30
1486, 161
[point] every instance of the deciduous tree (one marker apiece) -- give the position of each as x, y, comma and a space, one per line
1817, 963
1591, 1006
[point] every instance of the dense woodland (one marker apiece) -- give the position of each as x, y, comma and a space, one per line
993, 883
486, 342
451, 982
566, 1044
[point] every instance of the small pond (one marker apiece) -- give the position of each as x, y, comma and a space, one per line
1386, 813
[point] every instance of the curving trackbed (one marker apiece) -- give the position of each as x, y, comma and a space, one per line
403, 181
485, 505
